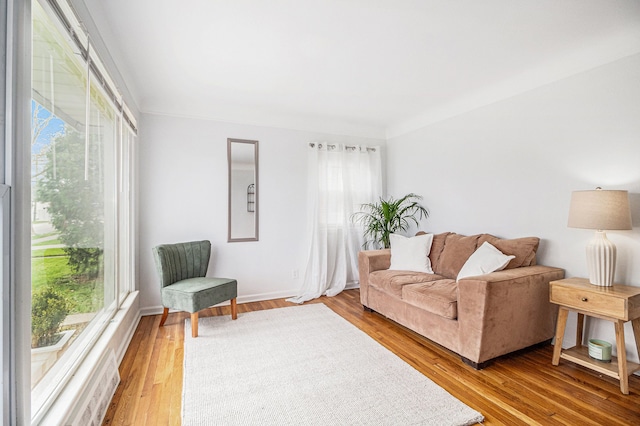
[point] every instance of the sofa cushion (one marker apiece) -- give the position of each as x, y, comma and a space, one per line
438, 297
524, 249
411, 254
436, 248
457, 249
392, 281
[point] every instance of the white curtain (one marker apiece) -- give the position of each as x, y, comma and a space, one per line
341, 179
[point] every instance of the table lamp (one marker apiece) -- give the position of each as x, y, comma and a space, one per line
600, 210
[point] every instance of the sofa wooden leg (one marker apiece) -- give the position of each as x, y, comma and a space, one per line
234, 309
165, 313
475, 365
194, 324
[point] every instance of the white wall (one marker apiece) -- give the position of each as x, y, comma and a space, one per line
183, 196
509, 169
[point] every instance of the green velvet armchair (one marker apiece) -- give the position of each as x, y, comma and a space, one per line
182, 268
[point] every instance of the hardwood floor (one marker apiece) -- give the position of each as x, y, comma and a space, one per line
519, 389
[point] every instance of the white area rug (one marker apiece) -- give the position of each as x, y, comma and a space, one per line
304, 365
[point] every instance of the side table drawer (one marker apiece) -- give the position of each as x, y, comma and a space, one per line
587, 301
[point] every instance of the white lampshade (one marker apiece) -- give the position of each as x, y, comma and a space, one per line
600, 210
606, 210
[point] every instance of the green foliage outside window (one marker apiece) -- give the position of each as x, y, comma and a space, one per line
74, 194
49, 308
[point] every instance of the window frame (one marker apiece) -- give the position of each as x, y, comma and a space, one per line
63, 16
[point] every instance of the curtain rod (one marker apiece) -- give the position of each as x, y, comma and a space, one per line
84, 53
347, 147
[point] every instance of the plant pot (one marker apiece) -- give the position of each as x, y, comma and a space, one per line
42, 359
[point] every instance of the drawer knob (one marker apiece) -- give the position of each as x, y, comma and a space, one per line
584, 299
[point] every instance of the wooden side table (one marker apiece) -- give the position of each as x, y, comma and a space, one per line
618, 304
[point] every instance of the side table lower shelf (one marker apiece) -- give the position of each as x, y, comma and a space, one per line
580, 355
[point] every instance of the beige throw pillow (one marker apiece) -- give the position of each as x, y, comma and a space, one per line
484, 260
411, 254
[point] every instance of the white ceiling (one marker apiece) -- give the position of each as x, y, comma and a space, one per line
374, 68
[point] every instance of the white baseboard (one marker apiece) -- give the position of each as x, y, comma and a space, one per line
156, 310
352, 285
152, 310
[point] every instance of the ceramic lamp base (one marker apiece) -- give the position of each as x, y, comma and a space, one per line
601, 260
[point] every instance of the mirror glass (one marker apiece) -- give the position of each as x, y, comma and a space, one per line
242, 157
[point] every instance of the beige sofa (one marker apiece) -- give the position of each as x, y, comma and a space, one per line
479, 318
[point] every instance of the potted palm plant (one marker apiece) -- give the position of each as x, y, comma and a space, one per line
385, 217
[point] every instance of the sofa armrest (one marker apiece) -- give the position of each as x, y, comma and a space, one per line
505, 311
369, 261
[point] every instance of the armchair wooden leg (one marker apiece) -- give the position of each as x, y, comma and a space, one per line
165, 313
194, 324
234, 309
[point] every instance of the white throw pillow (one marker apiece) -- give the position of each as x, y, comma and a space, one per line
411, 254
484, 260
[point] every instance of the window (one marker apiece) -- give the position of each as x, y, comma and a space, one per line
341, 178
81, 229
